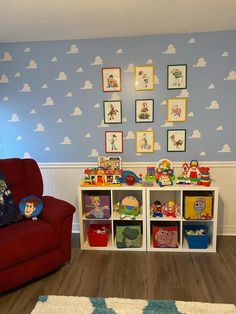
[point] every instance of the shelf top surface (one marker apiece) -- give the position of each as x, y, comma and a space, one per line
156, 187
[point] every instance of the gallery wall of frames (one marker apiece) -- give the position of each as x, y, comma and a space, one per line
143, 98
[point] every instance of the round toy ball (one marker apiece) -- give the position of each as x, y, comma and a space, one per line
130, 202
30, 206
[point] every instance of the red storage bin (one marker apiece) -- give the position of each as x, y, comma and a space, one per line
165, 236
98, 234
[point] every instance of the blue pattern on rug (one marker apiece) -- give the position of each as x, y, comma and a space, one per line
161, 307
100, 306
43, 298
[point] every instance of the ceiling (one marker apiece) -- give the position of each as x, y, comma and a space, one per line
36, 20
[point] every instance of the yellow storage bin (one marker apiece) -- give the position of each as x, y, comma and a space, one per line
198, 205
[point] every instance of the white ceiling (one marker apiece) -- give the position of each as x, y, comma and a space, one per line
35, 20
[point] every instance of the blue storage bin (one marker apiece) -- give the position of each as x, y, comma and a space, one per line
197, 241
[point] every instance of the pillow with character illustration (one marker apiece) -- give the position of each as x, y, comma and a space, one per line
30, 207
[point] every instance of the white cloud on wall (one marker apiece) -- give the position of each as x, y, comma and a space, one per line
214, 105
220, 128
170, 50
97, 61
6, 57
212, 86
94, 153
87, 85
66, 141
119, 51
130, 68
73, 49
25, 88
103, 125
225, 149
32, 65
200, 63
192, 41
39, 128
196, 134
130, 136
26, 155
49, 102
77, 112
167, 124
61, 77
4, 79
14, 118
231, 76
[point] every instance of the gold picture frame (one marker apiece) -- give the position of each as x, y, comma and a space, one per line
145, 141
177, 109
144, 77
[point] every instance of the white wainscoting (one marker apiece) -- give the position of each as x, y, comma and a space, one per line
62, 179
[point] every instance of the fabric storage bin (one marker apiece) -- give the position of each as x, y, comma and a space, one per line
198, 206
128, 236
165, 236
197, 241
98, 234
97, 206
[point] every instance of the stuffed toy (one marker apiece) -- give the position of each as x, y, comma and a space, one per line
31, 207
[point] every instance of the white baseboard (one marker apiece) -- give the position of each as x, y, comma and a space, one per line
75, 227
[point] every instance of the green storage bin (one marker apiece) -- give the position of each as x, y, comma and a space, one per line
128, 236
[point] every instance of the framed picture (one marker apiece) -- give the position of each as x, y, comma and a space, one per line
111, 79
114, 142
144, 77
177, 76
112, 111
144, 110
145, 141
176, 109
176, 140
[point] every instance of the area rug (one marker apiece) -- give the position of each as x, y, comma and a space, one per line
82, 305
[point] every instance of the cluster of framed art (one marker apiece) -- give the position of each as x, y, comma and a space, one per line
144, 108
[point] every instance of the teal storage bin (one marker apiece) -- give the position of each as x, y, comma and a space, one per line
197, 241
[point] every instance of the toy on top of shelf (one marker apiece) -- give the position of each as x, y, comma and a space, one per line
109, 172
164, 173
132, 177
151, 175
205, 176
128, 207
156, 209
193, 171
170, 209
113, 163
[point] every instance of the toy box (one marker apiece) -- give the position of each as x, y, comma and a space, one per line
198, 206
165, 236
97, 206
98, 234
197, 241
128, 236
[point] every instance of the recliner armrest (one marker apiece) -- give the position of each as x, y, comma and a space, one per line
55, 211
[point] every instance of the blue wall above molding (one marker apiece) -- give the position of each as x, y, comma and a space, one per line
51, 98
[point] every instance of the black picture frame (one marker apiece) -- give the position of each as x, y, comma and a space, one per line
174, 80
174, 139
144, 110
112, 115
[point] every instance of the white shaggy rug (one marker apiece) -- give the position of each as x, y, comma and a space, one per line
76, 305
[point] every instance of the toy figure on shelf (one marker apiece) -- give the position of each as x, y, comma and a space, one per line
129, 207
164, 173
150, 176
205, 176
170, 209
156, 209
108, 173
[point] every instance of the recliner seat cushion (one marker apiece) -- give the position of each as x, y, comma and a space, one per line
26, 240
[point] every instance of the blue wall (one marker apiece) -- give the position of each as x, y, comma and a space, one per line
39, 112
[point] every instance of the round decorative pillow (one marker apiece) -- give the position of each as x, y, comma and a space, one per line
30, 206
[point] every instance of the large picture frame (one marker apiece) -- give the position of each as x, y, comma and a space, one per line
177, 76
112, 111
144, 77
111, 79
114, 142
176, 140
144, 110
145, 141
176, 109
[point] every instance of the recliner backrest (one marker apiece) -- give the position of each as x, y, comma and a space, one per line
23, 177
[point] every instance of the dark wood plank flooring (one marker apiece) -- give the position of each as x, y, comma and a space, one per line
207, 277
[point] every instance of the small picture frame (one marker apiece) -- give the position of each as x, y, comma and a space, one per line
144, 77
145, 141
176, 140
114, 142
177, 76
112, 111
111, 79
144, 110
176, 109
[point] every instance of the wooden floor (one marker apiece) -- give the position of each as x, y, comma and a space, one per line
208, 277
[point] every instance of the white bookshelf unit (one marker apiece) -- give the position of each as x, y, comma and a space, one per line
146, 196
116, 193
177, 194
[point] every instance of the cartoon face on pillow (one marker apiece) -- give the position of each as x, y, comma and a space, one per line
30, 207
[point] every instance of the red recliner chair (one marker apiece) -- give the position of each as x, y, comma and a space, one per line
32, 248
